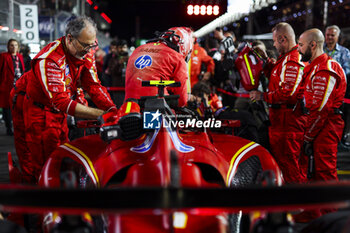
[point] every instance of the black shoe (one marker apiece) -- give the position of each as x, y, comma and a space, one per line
345, 140
9, 132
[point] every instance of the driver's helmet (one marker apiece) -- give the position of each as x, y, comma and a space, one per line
181, 39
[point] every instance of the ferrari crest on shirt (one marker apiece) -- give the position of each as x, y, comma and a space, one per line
143, 61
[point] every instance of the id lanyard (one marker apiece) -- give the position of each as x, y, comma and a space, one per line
331, 53
17, 69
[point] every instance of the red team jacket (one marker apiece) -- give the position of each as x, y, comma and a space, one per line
7, 74
155, 61
199, 56
285, 79
55, 76
325, 90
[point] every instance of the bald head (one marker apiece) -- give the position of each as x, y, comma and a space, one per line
311, 44
315, 35
284, 29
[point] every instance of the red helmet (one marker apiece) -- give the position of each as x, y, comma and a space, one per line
182, 40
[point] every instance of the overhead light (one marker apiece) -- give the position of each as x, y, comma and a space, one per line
209, 10
196, 10
216, 10
190, 9
203, 10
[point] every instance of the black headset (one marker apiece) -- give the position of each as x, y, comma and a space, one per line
168, 37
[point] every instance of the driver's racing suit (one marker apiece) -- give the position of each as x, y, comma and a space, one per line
287, 121
54, 78
155, 61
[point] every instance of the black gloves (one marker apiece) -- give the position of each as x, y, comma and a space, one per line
308, 148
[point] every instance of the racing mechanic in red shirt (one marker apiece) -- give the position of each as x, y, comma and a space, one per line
208, 105
287, 120
324, 95
198, 57
17, 96
57, 71
163, 58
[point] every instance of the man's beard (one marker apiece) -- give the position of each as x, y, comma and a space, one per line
305, 57
281, 50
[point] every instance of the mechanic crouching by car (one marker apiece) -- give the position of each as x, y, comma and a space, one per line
324, 95
57, 71
285, 112
163, 58
208, 105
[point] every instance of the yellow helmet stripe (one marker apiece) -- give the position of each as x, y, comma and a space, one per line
128, 107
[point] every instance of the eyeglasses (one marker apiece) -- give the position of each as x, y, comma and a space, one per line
87, 47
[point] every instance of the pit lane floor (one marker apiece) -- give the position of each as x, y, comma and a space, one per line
7, 145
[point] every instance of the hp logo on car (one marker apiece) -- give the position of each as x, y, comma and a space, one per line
143, 61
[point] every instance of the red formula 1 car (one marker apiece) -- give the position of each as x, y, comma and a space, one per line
160, 147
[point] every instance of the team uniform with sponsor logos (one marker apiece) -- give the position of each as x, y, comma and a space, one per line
155, 61
53, 80
17, 96
287, 122
199, 56
324, 95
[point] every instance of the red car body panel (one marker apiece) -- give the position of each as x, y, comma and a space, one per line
146, 162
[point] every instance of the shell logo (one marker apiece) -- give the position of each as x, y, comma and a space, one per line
68, 81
